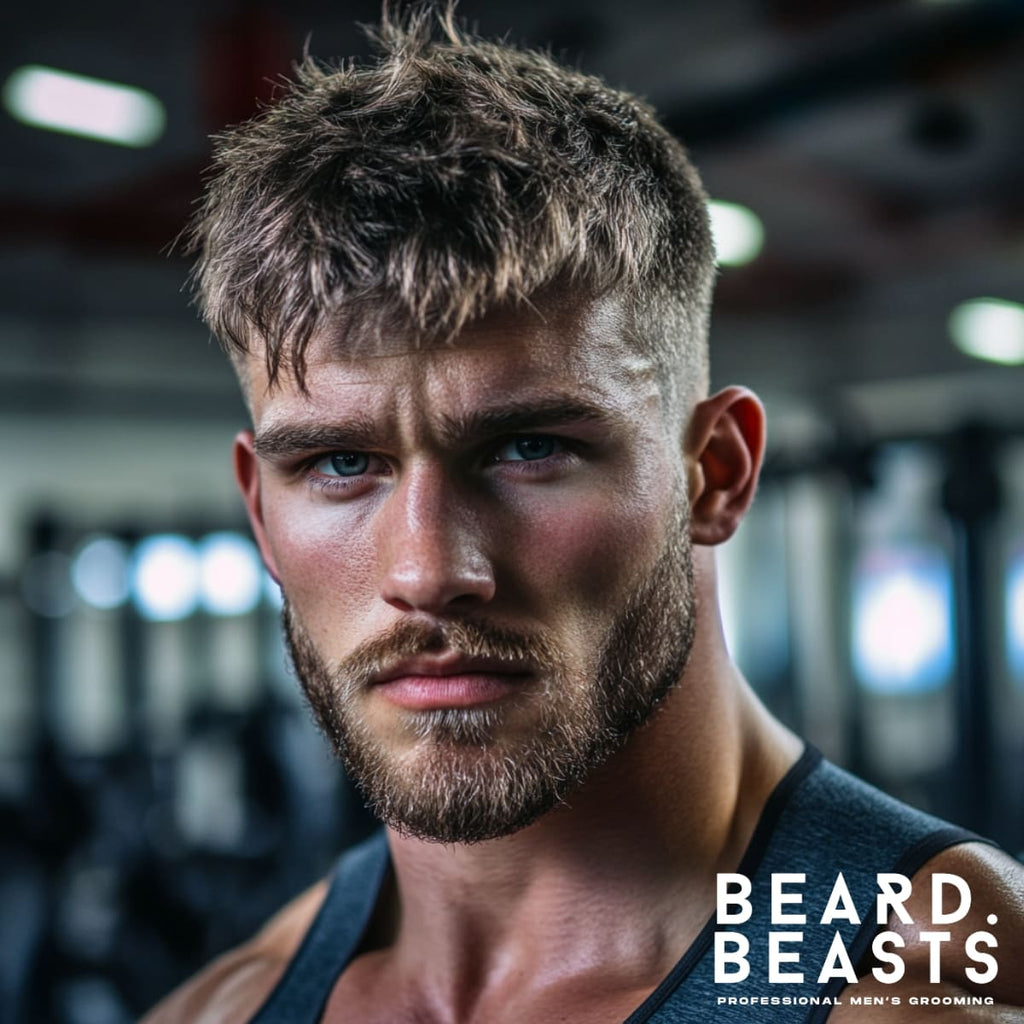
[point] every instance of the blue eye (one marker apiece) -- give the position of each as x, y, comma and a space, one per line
344, 464
528, 448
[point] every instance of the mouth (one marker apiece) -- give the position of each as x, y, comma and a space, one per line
449, 681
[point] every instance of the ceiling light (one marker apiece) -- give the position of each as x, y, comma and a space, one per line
64, 102
737, 231
991, 329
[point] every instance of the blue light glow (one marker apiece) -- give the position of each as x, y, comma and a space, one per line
902, 620
1015, 617
272, 591
165, 577
99, 573
230, 574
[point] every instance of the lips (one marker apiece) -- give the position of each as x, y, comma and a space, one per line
427, 683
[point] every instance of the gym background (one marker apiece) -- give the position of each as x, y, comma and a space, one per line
161, 788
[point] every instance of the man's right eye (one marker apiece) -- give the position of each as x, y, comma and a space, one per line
343, 464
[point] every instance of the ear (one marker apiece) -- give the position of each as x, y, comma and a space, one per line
247, 475
724, 447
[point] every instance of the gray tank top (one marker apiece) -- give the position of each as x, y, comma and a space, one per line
818, 821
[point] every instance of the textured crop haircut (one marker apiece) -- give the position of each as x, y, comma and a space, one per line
447, 178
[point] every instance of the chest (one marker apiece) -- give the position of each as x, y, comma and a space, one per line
371, 993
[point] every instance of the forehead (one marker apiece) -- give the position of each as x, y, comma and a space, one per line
580, 349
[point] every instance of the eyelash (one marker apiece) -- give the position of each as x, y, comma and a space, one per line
323, 482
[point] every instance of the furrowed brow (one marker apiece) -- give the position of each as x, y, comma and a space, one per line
291, 440
523, 415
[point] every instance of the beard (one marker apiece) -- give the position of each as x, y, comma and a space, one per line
461, 780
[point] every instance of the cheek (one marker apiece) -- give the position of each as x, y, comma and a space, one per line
588, 553
321, 557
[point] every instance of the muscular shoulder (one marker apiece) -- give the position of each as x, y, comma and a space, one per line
994, 884
234, 986
962, 970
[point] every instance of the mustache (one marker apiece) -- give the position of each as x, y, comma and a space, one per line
470, 638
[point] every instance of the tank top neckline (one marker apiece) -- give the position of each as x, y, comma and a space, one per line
338, 929
749, 862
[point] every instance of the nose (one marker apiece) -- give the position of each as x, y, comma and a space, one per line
430, 539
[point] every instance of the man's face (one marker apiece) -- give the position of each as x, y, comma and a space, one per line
484, 551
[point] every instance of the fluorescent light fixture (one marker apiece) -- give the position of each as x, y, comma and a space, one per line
230, 574
64, 102
902, 621
737, 231
165, 577
99, 573
991, 329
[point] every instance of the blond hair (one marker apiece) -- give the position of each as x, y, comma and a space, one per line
442, 180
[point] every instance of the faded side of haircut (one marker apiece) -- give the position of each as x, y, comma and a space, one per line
445, 178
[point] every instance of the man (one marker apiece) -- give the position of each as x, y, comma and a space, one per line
466, 291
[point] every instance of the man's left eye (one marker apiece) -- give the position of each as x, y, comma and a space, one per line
528, 448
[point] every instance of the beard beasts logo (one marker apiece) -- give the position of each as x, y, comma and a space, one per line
950, 905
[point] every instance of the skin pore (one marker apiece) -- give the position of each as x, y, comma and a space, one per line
520, 486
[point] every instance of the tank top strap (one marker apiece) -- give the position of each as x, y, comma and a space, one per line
819, 823
331, 941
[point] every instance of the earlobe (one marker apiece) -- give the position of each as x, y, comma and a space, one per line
724, 449
247, 476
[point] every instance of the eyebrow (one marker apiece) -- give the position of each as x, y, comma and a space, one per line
358, 433
523, 415
290, 439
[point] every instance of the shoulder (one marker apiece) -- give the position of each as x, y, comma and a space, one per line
989, 885
959, 967
235, 985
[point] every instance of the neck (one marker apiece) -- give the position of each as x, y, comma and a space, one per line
637, 846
